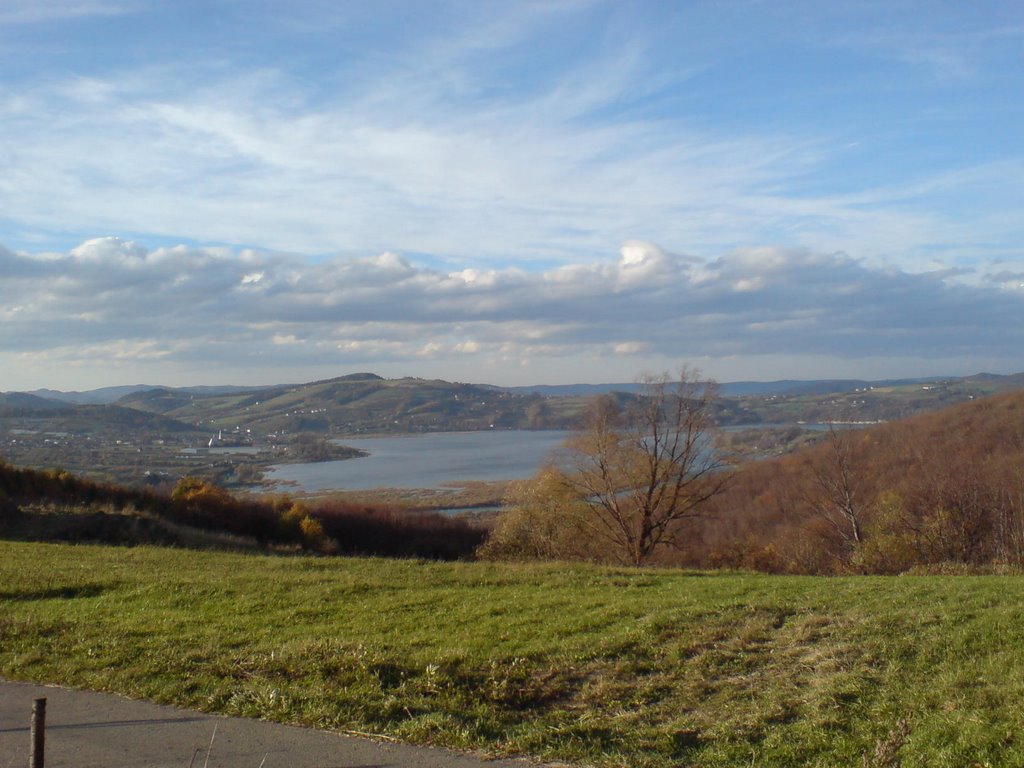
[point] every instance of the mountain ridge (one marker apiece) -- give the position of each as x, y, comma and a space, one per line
729, 388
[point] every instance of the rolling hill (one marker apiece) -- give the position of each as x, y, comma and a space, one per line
14, 401
357, 404
363, 403
154, 432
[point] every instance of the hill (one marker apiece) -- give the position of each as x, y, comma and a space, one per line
363, 403
856, 401
359, 404
728, 388
15, 401
366, 403
159, 434
941, 487
106, 395
939, 490
108, 441
984, 383
981, 383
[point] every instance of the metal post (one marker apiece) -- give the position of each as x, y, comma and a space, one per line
38, 734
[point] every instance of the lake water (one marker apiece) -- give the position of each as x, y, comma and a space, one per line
427, 461
439, 459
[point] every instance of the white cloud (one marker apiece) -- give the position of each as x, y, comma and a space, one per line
515, 166
631, 348
109, 249
116, 300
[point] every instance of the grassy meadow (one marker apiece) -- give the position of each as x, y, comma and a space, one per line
574, 663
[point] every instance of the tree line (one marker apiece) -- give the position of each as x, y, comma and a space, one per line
645, 484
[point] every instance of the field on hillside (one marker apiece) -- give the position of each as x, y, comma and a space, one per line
576, 663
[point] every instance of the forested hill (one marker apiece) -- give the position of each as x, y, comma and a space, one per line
942, 487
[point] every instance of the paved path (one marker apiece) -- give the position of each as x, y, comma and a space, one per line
98, 730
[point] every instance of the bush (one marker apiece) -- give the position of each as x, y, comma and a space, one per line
544, 520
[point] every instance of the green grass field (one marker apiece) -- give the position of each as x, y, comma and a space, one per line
582, 664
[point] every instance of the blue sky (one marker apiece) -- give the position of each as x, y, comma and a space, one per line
256, 192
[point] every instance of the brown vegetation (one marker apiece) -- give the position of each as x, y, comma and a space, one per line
943, 491
942, 488
58, 505
939, 492
640, 469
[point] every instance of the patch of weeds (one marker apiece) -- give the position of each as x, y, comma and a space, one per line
887, 750
260, 700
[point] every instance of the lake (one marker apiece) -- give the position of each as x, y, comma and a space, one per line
441, 459
434, 460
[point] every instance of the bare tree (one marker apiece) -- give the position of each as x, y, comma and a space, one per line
644, 466
836, 492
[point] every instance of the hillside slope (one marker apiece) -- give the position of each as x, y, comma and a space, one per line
358, 404
946, 486
56, 505
361, 403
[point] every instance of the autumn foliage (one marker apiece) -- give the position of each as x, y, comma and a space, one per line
939, 492
283, 523
944, 491
933, 491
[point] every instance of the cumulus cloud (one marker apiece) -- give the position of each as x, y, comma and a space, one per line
108, 249
111, 299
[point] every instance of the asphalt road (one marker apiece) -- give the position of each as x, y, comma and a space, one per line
97, 730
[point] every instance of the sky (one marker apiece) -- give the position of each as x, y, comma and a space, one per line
259, 191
